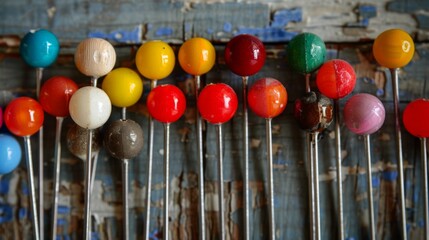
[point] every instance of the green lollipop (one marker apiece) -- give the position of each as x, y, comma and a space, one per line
306, 52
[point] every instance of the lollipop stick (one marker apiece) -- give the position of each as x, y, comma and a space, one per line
94, 169
339, 170
202, 208
270, 178
315, 158
87, 219
57, 171
125, 198
425, 184
394, 73
39, 75
311, 189
220, 182
370, 194
246, 160
166, 177
33, 206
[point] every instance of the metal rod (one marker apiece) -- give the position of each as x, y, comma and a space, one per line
220, 182
33, 205
57, 172
394, 73
149, 170
246, 161
370, 194
270, 178
87, 219
425, 184
123, 113
94, 168
125, 205
39, 76
166, 178
202, 218
311, 188
316, 182
339, 170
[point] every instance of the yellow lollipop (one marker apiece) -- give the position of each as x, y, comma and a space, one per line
197, 56
123, 86
155, 59
393, 48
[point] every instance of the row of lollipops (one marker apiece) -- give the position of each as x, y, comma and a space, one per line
90, 108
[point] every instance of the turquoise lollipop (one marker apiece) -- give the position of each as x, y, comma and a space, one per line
10, 153
39, 48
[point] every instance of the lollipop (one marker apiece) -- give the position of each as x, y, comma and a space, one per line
166, 104
23, 117
217, 104
10, 153
306, 52
268, 98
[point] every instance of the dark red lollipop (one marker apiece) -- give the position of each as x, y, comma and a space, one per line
267, 97
336, 79
313, 112
416, 118
55, 95
217, 103
166, 103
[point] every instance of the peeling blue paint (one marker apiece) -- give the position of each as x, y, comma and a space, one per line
22, 213
6, 213
282, 17
365, 13
64, 210
390, 175
376, 182
164, 31
4, 185
121, 36
227, 27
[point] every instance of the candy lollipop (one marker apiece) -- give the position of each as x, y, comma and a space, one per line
166, 104
55, 95
394, 48
336, 79
196, 57
39, 49
268, 98
155, 60
217, 104
124, 138
10, 153
245, 55
415, 118
23, 117
364, 115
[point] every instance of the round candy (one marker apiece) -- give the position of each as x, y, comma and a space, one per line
364, 114
336, 79
77, 141
55, 95
123, 86
10, 153
393, 48
95, 57
23, 116
155, 60
313, 112
267, 97
217, 103
39, 48
197, 56
90, 107
416, 118
306, 52
123, 139
245, 55
166, 103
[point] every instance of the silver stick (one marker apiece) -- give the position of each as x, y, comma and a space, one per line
370, 194
339, 170
57, 172
425, 184
27, 146
166, 178
316, 182
87, 219
125, 198
270, 178
246, 161
220, 182
39, 75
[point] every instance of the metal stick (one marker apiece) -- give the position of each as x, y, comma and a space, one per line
425, 184
316, 182
246, 161
149, 170
270, 178
39, 76
57, 172
94, 168
339, 170
202, 218
88, 181
370, 194
220, 182
166, 178
27, 146
125, 198
394, 73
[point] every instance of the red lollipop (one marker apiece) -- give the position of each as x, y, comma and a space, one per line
267, 97
23, 116
217, 103
166, 103
336, 79
245, 55
55, 95
416, 118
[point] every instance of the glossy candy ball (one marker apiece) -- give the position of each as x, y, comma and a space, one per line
90, 107
306, 52
77, 141
393, 48
245, 55
155, 60
95, 57
123, 86
217, 103
23, 116
166, 103
39, 48
197, 56
314, 112
123, 139
364, 114
55, 95
10, 153
416, 118
336, 79
267, 97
